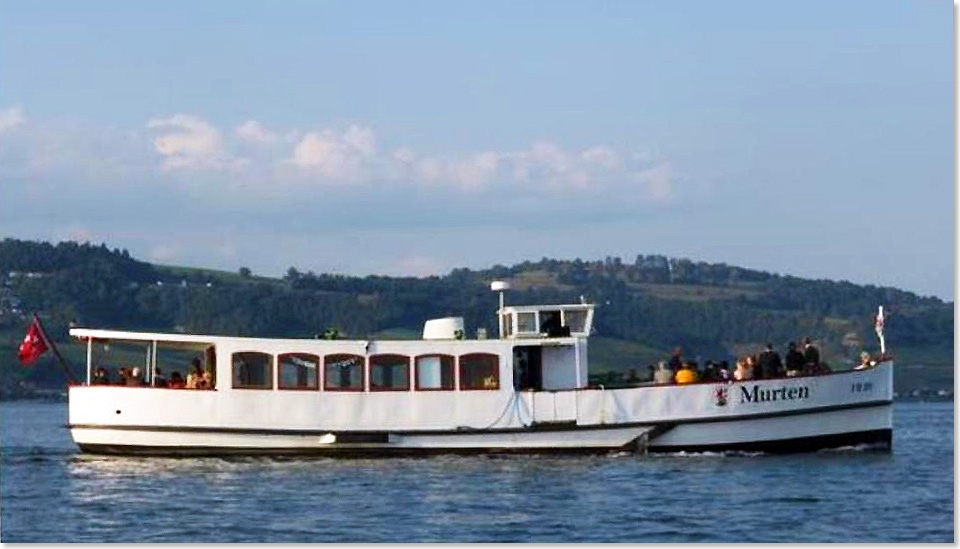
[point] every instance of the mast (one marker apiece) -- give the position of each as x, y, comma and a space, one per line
500, 286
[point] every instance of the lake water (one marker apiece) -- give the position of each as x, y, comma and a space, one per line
51, 493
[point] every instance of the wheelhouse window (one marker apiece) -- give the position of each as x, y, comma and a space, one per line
434, 373
576, 320
298, 371
389, 373
508, 325
343, 373
549, 321
252, 370
479, 371
527, 323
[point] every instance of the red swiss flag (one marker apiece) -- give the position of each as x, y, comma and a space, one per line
33, 345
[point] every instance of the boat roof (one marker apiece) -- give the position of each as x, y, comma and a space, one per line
167, 337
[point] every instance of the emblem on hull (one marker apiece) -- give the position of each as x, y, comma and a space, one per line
720, 396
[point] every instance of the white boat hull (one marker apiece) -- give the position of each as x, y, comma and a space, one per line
782, 415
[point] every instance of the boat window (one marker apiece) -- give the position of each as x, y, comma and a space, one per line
252, 370
298, 371
343, 373
549, 321
389, 373
479, 371
435, 373
508, 324
576, 320
527, 322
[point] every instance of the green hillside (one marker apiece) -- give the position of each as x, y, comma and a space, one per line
645, 307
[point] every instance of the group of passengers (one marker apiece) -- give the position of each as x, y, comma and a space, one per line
768, 364
197, 377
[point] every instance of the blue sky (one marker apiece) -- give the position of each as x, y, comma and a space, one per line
813, 138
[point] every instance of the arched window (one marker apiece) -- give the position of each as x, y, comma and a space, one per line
434, 373
343, 373
252, 370
389, 373
298, 371
479, 371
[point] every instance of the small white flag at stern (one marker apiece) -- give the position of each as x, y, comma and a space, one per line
878, 326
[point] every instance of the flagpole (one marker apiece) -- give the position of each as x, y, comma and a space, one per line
56, 352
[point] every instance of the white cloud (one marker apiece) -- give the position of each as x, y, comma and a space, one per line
477, 170
657, 182
11, 117
349, 155
190, 142
544, 163
334, 156
360, 139
255, 132
602, 157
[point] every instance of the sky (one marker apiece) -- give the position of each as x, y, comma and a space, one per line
410, 138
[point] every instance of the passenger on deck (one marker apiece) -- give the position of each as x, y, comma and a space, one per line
712, 371
133, 380
194, 375
865, 361
743, 371
770, 363
124, 376
811, 357
755, 371
795, 360
176, 381
100, 376
676, 361
207, 379
687, 374
632, 376
159, 380
708, 372
723, 371
663, 374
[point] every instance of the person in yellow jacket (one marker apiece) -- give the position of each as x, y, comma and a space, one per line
687, 374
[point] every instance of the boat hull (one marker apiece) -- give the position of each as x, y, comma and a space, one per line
778, 415
868, 425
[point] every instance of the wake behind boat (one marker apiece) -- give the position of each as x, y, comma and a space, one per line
525, 391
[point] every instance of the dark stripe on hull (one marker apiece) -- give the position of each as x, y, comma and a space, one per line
881, 438
339, 451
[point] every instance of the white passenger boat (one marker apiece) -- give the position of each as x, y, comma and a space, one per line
525, 391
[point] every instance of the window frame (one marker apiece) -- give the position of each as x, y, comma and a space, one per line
535, 325
460, 372
373, 389
453, 372
363, 375
566, 322
320, 365
271, 368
